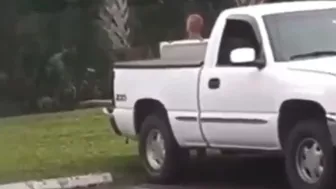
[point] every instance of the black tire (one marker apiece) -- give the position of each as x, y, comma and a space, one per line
318, 131
175, 157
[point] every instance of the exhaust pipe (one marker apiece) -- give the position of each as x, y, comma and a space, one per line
107, 111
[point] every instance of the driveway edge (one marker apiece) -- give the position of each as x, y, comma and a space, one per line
63, 183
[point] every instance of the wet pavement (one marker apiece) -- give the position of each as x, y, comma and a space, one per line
227, 173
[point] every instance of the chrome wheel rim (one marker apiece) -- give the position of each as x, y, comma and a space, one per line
155, 149
310, 160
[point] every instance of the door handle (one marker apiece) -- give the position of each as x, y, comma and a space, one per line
214, 83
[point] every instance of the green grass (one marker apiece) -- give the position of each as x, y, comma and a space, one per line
64, 144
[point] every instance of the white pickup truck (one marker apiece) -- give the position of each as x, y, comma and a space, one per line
267, 84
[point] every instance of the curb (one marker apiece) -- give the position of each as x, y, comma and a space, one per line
63, 183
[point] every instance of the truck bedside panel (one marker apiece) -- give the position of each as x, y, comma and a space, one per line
124, 121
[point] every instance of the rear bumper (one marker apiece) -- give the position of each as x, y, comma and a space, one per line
113, 124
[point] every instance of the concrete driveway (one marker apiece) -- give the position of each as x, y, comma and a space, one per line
228, 173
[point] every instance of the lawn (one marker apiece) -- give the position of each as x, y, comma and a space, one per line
64, 144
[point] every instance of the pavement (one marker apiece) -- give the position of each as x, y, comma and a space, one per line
215, 172
226, 173
80, 181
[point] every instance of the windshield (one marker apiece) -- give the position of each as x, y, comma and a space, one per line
305, 34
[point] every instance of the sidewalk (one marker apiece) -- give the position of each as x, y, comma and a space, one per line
64, 183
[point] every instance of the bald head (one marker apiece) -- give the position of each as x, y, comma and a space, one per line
194, 26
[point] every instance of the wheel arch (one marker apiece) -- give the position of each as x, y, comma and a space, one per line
146, 106
293, 110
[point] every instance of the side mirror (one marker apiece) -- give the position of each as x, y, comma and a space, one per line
242, 55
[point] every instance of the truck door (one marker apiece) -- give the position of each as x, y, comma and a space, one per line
236, 99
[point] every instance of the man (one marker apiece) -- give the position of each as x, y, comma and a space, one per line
194, 26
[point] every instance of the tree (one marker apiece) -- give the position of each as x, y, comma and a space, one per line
113, 16
47, 6
114, 33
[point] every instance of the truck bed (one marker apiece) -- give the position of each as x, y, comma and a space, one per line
159, 63
182, 53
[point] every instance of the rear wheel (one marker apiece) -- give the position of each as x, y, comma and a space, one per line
310, 156
162, 157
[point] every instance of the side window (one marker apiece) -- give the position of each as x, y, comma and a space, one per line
237, 33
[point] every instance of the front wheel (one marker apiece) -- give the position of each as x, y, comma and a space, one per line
162, 157
310, 156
